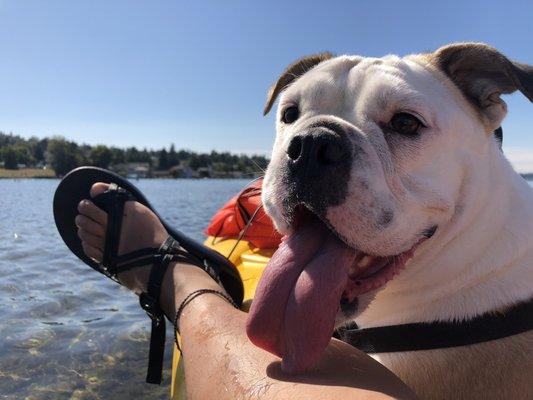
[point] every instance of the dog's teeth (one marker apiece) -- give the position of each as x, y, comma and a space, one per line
365, 261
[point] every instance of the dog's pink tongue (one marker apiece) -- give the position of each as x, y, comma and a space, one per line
294, 308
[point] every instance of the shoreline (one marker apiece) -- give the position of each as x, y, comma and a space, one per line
36, 173
27, 173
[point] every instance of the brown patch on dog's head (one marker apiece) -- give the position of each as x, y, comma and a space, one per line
482, 73
291, 73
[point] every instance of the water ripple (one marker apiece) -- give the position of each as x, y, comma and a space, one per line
66, 332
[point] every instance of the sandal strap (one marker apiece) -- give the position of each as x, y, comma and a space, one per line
147, 255
139, 262
145, 252
169, 251
112, 201
150, 302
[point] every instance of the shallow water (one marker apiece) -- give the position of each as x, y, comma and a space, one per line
66, 332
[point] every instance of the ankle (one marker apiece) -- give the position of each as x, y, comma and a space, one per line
167, 296
180, 280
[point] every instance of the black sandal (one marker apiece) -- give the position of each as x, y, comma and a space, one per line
74, 187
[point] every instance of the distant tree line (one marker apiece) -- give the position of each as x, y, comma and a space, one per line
63, 155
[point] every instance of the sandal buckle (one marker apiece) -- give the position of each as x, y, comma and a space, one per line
149, 304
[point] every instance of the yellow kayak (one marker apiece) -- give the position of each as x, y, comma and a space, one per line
250, 261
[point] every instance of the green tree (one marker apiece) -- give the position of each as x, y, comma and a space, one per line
145, 156
172, 156
62, 155
10, 157
194, 161
40, 150
184, 155
32, 147
23, 155
163, 160
132, 154
117, 156
100, 156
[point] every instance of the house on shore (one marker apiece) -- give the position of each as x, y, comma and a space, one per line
183, 171
133, 170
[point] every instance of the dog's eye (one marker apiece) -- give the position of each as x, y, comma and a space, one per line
405, 124
290, 114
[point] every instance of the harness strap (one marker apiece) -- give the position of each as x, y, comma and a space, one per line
438, 335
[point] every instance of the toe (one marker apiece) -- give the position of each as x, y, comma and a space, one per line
90, 239
92, 252
90, 210
89, 225
98, 188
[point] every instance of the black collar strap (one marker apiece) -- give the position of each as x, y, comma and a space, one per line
438, 335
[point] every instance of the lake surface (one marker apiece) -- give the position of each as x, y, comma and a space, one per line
67, 332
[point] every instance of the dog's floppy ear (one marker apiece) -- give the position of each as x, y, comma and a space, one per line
483, 74
291, 73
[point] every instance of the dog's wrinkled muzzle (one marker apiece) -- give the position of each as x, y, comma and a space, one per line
316, 168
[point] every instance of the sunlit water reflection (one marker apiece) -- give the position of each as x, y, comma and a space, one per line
67, 332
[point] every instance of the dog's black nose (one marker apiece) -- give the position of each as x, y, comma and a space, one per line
317, 167
314, 153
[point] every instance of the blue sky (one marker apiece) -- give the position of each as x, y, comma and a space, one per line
195, 73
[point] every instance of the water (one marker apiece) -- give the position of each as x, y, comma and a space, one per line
67, 332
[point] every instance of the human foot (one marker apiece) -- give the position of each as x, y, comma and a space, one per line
140, 228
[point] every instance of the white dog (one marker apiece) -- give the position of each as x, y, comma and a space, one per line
398, 202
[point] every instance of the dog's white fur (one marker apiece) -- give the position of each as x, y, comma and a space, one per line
455, 176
